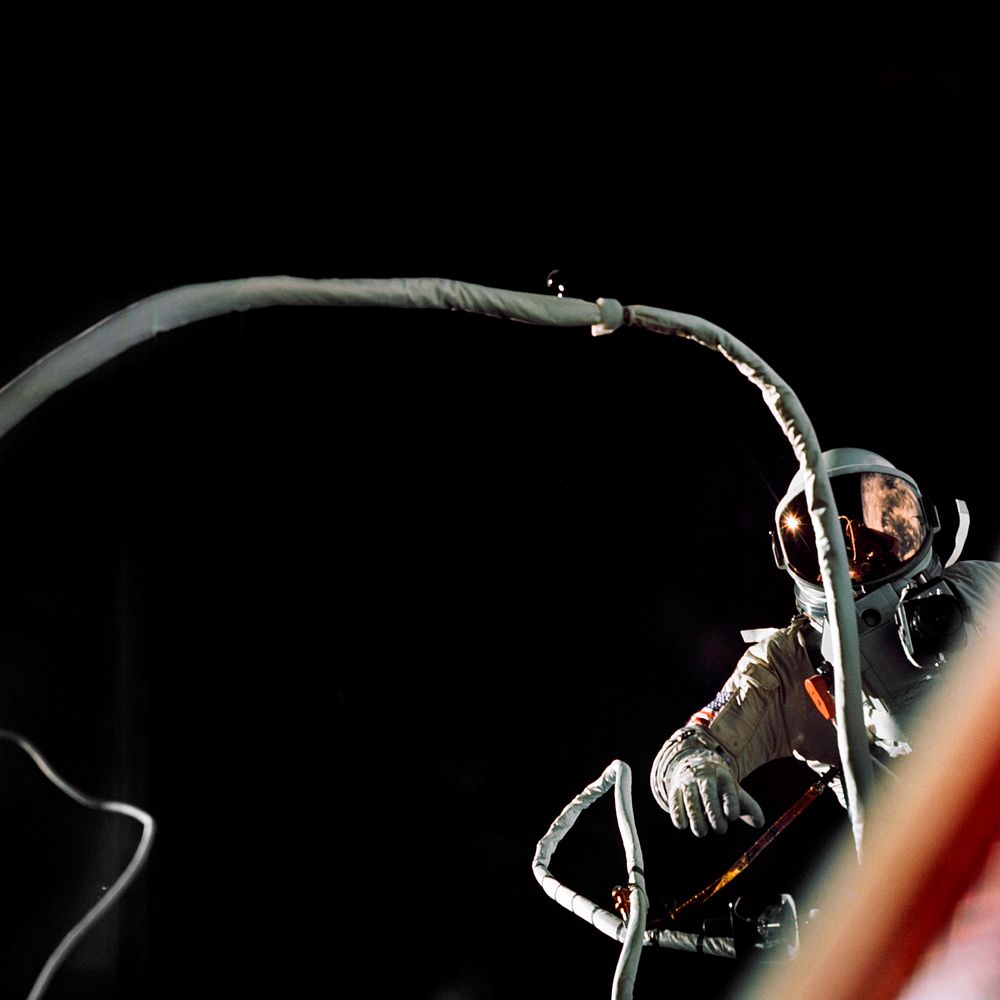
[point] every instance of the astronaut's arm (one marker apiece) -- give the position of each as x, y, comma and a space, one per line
695, 776
693, 779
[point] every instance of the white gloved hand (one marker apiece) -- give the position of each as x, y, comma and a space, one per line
702, 793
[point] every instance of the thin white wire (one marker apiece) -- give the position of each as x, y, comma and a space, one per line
95, 913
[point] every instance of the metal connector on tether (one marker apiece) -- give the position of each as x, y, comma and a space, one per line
612, 317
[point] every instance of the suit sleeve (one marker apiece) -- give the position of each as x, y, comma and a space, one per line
744, 722
746, 718
762, 713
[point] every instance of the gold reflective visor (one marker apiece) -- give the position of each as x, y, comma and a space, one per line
883, 523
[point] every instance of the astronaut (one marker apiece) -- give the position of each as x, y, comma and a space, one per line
913, 617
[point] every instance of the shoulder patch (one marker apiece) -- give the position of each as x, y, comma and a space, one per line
705, 716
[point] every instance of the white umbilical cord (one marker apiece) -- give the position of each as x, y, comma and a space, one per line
95, 913
182, 306
616, 776
632, 935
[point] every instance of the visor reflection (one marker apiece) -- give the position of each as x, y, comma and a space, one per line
882, 520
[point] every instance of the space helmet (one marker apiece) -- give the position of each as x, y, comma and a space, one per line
887, 527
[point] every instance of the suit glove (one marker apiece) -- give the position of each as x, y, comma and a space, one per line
703, 794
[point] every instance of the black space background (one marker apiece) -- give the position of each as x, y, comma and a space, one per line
354, 602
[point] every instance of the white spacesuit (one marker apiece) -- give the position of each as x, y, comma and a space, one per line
912, 616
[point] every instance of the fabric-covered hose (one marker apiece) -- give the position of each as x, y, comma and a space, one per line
633, 935
188, 304
852, 737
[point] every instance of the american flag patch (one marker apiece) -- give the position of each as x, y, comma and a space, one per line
706, 715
